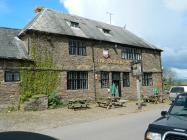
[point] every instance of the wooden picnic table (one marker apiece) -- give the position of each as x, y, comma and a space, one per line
77, 104
152, 98
111, 101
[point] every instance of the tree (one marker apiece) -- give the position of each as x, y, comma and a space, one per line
169, 76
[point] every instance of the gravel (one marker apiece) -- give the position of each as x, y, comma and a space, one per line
39, 120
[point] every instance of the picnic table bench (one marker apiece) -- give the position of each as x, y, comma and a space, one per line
78, 104
121, 102
150, 99
111, 101
153, 98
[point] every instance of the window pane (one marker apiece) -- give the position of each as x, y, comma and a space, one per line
9, 76
180, 106
12, 76
104, 79
131, 53
74, 24
77, 80
126, 81
147, 79
16, 76
177, 90
76, 47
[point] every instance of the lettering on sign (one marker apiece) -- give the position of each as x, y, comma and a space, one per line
110, 61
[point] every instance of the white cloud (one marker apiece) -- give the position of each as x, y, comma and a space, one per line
178, 5
76, 5
152, 20
181, 73
137, 15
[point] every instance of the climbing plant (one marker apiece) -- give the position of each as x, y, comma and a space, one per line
41, 77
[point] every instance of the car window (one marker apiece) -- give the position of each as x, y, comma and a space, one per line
177, 90
180, 106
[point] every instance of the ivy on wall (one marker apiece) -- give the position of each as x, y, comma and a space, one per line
41, 77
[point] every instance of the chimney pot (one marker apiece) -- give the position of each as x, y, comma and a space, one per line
38, 9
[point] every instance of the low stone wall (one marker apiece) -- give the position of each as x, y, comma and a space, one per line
36, 103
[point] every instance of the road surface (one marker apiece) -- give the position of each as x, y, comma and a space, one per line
126, 127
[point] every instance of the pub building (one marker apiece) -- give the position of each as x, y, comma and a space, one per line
89, 55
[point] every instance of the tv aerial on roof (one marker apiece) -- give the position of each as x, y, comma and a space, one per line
110, 16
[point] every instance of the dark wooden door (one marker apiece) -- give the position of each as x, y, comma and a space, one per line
116, 80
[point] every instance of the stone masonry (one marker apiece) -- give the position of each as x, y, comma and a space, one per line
58, 44
9, 91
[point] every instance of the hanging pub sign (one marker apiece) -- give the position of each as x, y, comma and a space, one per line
137, 68
105, 53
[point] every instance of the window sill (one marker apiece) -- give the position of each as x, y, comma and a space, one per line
75, 55
10, 82
74, 91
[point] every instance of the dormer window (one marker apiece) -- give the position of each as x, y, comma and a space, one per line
74, 24
106, 31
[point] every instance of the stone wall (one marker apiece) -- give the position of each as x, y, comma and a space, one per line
59, 46
9, 91
151, 61
35, 103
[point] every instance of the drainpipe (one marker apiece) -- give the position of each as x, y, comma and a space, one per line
161, 67
93, 61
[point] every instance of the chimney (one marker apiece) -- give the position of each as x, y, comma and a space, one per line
38, 9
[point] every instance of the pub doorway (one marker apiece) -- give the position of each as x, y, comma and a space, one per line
116, 80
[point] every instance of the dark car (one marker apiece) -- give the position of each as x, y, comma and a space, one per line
173, 124
21, 135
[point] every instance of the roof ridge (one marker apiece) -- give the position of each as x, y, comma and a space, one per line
122, 28
48, 20
81, 17
32, 20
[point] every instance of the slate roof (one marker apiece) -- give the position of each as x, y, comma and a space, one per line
11, 47
52, 21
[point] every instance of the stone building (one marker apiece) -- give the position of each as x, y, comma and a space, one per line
12, 56
88, 55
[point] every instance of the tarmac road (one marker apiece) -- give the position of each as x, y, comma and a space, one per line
125, 127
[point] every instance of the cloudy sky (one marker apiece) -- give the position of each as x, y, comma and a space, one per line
160, 22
